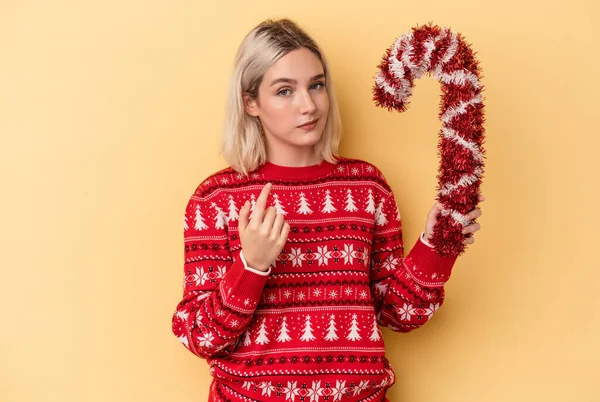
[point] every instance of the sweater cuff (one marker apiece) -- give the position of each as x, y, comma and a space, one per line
256, 271
242, 288
425, 241
426, 266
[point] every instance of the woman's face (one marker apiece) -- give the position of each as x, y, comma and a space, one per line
292, 102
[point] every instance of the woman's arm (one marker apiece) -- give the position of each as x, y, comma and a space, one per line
220, 293
407, 290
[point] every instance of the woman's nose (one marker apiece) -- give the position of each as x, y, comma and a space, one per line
307, 105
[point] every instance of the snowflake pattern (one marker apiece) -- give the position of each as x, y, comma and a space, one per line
391, 262
406, 311
361, 387
296, 256
267, 388
205, 340
211, 275
315, 391
323, 256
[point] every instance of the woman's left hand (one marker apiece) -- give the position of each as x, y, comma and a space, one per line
468, 231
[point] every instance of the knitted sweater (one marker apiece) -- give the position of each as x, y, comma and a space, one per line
308, 329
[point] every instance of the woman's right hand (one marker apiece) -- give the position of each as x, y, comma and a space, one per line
264, 236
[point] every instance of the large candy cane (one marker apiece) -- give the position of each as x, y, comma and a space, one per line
444, 54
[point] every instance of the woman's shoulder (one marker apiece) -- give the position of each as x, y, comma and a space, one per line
217, 182
359, 167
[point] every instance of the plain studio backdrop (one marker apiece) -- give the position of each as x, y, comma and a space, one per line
110, 116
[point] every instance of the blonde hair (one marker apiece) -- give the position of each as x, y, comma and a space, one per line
243, 145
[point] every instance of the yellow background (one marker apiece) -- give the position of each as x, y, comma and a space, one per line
110, 115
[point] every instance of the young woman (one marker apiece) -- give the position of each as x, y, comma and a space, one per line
294, 255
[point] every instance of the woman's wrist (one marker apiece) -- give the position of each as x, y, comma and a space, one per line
250, 265
426, 239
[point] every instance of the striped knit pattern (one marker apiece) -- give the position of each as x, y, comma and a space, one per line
309, 331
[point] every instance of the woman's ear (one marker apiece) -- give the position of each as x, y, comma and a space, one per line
250, 105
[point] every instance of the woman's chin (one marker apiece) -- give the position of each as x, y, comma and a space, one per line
308, 142
309, 138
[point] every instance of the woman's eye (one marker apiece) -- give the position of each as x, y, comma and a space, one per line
284, 92
318, 85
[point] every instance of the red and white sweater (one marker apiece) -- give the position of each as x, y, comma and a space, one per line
308, 329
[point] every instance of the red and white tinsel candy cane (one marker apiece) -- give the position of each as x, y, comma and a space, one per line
444, 54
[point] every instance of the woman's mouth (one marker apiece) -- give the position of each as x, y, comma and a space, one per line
309, 125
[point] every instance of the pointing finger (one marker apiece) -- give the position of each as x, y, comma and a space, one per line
244, 212
261, 202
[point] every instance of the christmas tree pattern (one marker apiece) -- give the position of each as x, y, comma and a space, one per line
350, 206
353, 335
262, 339
332, 330
375, 335
278, 205
303, 207
283, 332
247, 340
185, 224
370, 202
380, 217
398, 218
233, 212
252, 204
328, 204
307, 335
198, 220
220, 218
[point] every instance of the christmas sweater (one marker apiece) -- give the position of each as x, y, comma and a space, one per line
308, 329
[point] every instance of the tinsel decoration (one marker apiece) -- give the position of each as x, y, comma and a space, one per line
444, 54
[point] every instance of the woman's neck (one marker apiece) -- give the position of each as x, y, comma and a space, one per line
294, 158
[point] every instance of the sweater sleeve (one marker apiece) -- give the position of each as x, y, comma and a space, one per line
407, 290
220, 293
